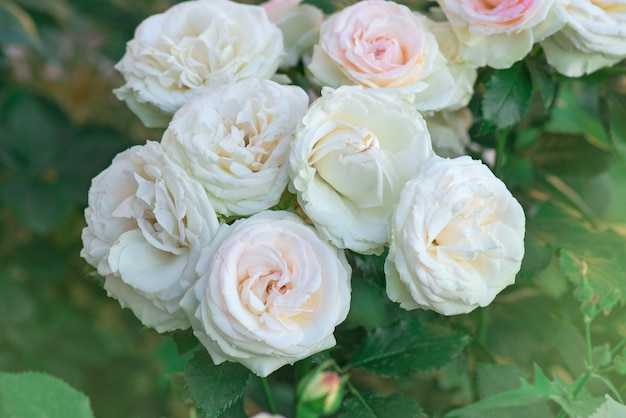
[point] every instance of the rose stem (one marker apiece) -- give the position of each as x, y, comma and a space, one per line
268, 395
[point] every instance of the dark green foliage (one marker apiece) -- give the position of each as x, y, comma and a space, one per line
214, 389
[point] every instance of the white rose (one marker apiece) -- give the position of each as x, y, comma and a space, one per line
594, 37
271, 293
449, 131
235, 140
383, 45
300, 25
457, 238
146, 224
178, 54
464, 73
500, 33
353, 152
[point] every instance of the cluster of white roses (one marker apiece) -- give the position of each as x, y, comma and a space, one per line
183, 229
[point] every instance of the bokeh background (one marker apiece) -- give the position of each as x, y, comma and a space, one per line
60, 125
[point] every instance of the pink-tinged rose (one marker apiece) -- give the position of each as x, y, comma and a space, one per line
594, 37
147, 222
383, 45
457, 238
354, 150
498, 33
235, 140
271, 292
176, 55
300, 25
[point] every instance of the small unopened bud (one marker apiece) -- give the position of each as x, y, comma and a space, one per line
320, 393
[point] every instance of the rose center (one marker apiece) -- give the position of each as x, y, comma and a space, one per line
387, 50
364, 143
489, 4
273, 285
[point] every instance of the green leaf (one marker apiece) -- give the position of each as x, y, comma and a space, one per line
507, 96
570, 344
367, 405
612, 111
573, 113
37, 204
496, 378
552, 281
543, 81
16, 26
35, 135
597, 269
407, 347
537, 256
370, 267
368, 304
235, 410
212, 388
40, 395
566, 154
601, 356
560, 190
540, 391
185, 341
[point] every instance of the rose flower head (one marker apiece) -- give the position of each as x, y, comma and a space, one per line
147, 222
457, 238
498, 33
235, 140
383, 45
593, 37
271, 292
176, 55
354, 151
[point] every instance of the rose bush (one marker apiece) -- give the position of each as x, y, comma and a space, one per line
593, 37
457, 238
235, 140
360, 172
500, 33
271, 292
353, 152
176, 55
147, 222
382, 44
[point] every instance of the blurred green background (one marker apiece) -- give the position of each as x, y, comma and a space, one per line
60, 125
